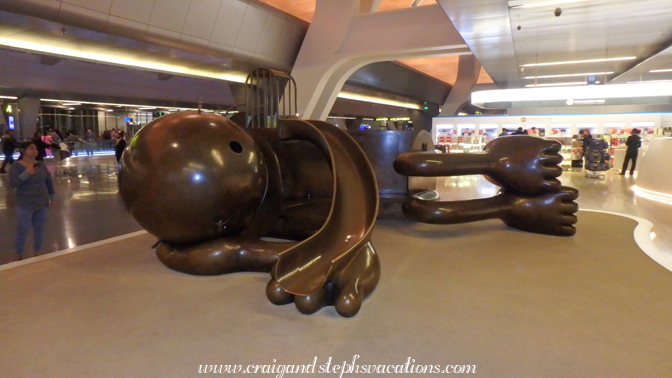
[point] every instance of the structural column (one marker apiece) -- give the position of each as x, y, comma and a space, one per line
340, 40
29, 108
467, 75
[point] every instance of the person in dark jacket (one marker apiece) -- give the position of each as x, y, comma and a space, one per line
41, 146
9, 144
586, 139
634, 142
120, 146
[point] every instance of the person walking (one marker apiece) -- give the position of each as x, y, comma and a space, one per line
34, 193
9, 144
586, 139
55, 145
72, 140
633, 142
41, 146
89, 140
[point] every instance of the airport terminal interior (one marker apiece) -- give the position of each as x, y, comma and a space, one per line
433, 80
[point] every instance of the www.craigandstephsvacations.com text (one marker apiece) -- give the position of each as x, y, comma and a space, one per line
340, 369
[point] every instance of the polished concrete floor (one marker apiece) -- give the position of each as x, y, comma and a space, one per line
512, 304
89, 208
612, 193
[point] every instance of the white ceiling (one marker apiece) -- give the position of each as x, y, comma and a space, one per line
502, 36
505, 37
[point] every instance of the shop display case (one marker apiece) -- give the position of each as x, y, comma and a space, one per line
443, 138
559, 130
471, 143
577, 153
565, 149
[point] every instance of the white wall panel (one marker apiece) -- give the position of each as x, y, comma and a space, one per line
125, 27
82, 17
170, 14
8, 29
102, 6
251, 29
229, 20
270, 61
292, 38
47, 9
162, 36
136, 10
216, 49
201, 18
193, 44
242, 53
270, 35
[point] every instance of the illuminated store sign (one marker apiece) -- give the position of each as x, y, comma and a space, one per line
586, 102
610, 94
393, 119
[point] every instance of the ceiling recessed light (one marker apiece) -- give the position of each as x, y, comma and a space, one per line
665, 70
70, 102
583, 92
649, 81
528, 4
377, 100
568, 75
116, 59
578, 61
556, 84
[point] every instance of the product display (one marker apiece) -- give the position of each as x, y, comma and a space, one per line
597, 157
577, 153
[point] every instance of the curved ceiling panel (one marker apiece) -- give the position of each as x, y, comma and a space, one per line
222, 28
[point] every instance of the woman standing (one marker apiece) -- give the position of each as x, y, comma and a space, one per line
34, 193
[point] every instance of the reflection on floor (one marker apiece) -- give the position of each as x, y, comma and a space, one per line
90, 210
